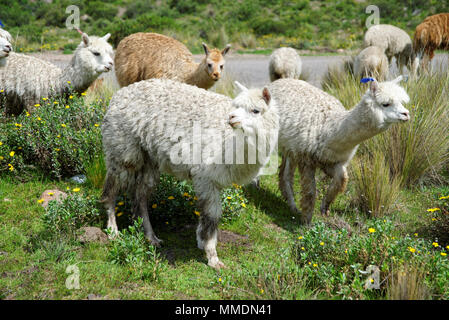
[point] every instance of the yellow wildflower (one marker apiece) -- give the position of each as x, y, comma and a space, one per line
40, 200
229, 197
371, 230
119, 214
170, 198
433, 209
243, 205
63, 125
197, 213
315, 265
219, 279
321, 243
37, 105
412, 250
1, 143
67, 107
71, 97
300, 237
11, 168
121, 203
444, 197
97, 125
76, 189
50, 194
435, 244
12, 153
83, 94
154, 206
443, 254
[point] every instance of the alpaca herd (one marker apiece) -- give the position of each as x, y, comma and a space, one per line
163, 119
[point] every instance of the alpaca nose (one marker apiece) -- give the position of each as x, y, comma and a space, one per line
406, 114
216, 75
8, 48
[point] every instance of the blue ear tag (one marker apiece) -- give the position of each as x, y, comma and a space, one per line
365, 80
1, 24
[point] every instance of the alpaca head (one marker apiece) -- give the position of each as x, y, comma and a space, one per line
214, 61
94, 54
386, 102
252, 108
5, 46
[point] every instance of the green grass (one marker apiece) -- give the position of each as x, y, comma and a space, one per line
261, 266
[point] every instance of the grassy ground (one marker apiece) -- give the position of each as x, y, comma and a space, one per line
258, 249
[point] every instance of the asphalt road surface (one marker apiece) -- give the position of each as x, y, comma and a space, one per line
252, 70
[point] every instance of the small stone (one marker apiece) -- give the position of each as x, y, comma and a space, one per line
50, 195
92, 296
91, 234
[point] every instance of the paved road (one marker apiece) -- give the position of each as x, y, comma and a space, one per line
252, 70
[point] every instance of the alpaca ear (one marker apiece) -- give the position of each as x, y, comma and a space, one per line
226, 49
86, 40
374, 87
206, 49
106, 37
241, 87
266, 95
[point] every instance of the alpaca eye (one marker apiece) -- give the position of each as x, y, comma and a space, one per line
221, 67
385, 105
209, 65
255, 111
96, 53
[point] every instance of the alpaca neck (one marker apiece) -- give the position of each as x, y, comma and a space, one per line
77, 77
3, 62
199, 76
358, 124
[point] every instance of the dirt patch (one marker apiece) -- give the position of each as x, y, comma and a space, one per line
225, 236
50, 195
92, 234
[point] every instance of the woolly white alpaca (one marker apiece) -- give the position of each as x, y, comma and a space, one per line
160, 125
143, 56
316, 131
395, 42
284, 63
26, 79
372, 62
5, 46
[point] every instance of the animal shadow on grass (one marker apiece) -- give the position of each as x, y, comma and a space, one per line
273, 205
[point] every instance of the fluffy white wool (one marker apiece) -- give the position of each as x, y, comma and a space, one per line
316, 131
372, 62
284, 63
26, 79
394, 41
150, 122
5, 46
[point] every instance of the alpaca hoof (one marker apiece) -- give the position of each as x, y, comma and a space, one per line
216, 264
325, 212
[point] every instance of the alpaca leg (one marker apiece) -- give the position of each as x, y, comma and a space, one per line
308, 192
110, 192
146, 183
339, 181
210, 214
286, 181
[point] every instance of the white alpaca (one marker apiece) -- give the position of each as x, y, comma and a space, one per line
160, 125
5, 46
27, 79
284, 63
371, 62
395, 42
316, 131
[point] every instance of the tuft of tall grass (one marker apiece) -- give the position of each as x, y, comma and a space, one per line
407, 283
376, 189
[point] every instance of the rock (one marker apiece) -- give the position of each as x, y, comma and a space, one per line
91, 234
50, 195
93, 296
79, 179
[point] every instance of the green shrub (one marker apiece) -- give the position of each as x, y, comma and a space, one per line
60, 137
335, 260
70, 214
131, 248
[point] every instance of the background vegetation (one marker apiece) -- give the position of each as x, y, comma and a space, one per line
248, 24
